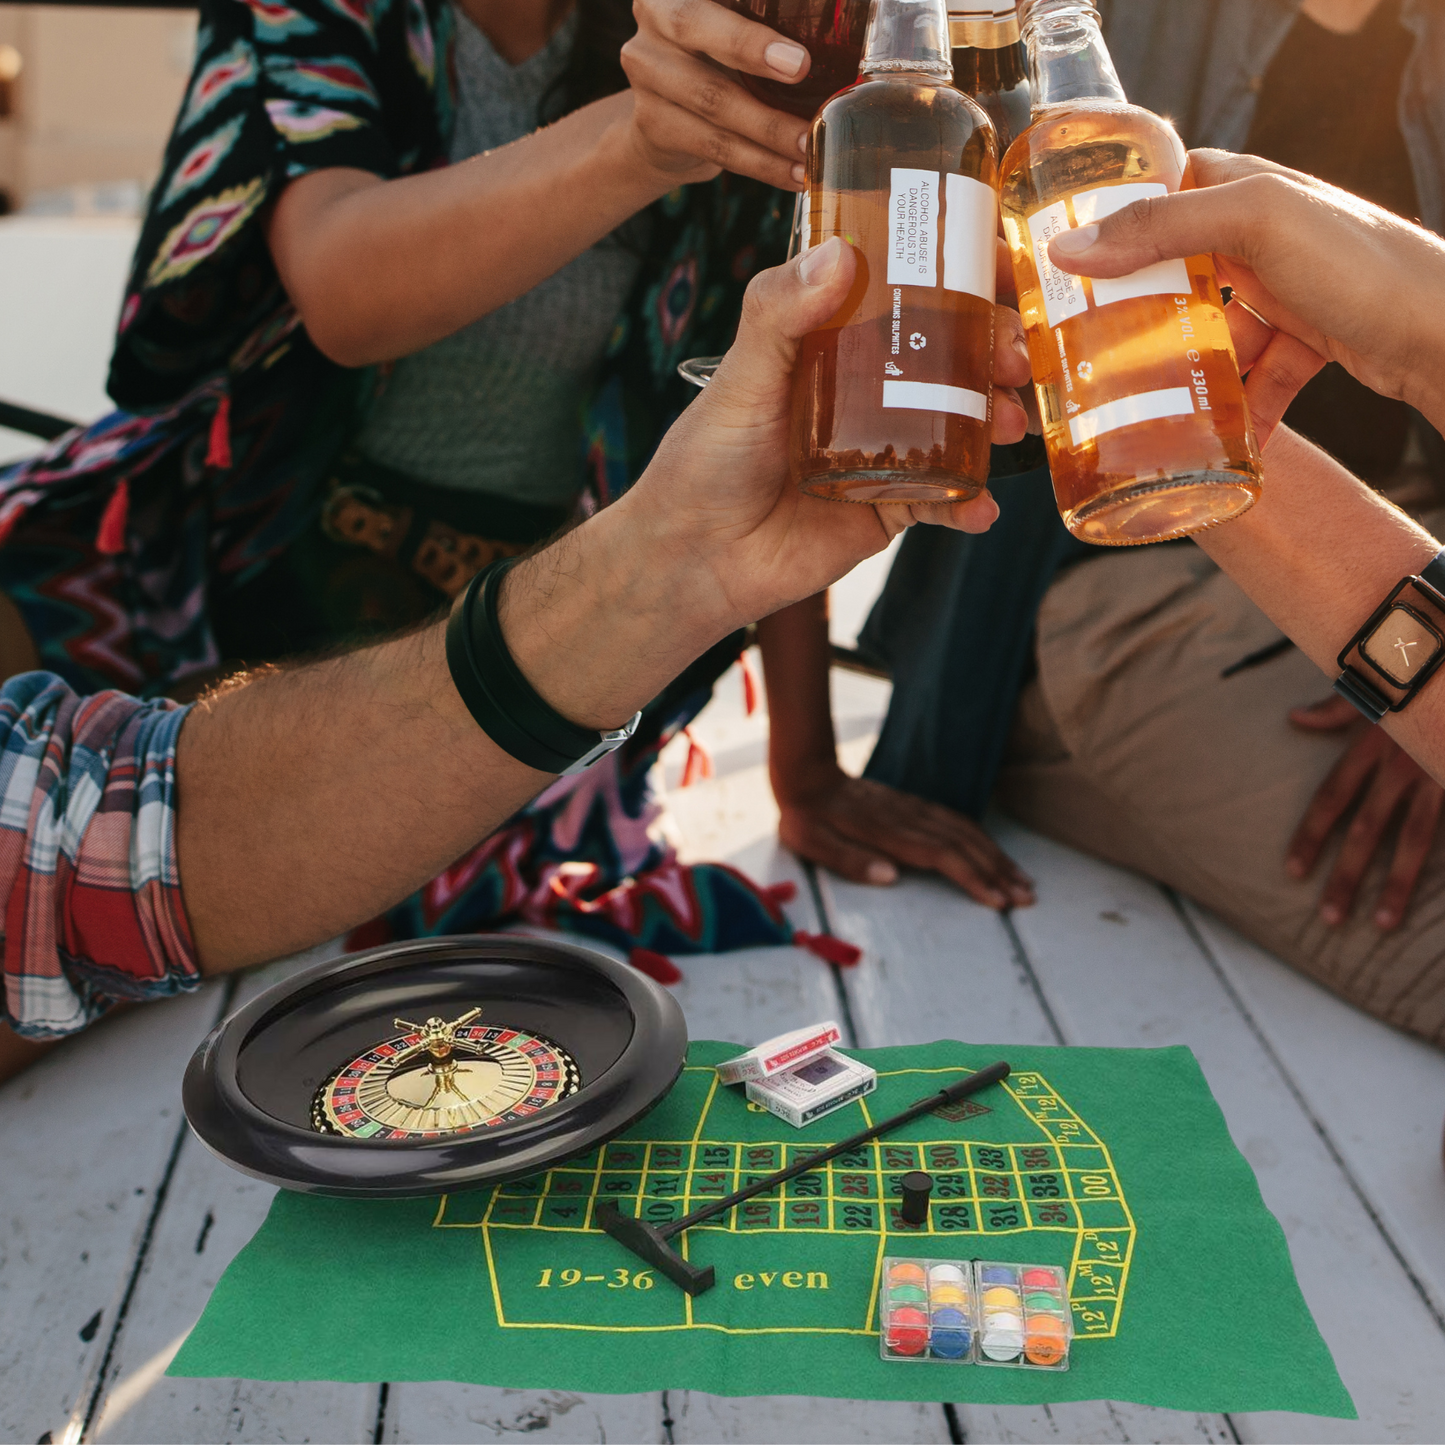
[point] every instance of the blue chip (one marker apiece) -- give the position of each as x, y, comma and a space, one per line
998, 1276
950, 1337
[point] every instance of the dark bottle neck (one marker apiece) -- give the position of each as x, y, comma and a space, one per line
1068, 59
980, 71
998, 81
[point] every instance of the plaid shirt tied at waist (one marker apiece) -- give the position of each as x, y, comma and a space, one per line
88, 873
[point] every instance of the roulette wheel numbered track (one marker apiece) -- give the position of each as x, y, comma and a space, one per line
252, 1090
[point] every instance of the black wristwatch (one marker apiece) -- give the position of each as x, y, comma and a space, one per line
1402, 643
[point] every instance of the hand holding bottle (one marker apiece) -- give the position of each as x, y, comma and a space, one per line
714, 510
1338, 278
688, 104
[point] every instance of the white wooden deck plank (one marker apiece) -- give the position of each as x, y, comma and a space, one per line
1118, 969
211, 1211
442, 1413
699, 1419
935, 965
1378, 1094
86, 1135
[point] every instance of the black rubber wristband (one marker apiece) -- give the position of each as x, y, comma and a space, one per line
504, 704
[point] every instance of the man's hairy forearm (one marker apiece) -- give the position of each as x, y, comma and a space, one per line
1318, 553
311, 798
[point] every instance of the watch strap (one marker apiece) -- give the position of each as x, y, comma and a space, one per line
1434, 573
497, 694
1351, 684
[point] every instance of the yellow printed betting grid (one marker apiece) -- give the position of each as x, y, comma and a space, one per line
1063, 1182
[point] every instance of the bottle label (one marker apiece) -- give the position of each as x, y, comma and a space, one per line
913, 227
983, 28
1127, 410
970, 229
935, 396
1064, 294
969, 225
1163, 278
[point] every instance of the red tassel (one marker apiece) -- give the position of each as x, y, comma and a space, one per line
699, 762
780, 892
750, 685
655, 965
829, 948
218, 452
110, 535
370, 935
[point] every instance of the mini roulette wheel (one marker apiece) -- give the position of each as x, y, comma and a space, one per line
435, 1065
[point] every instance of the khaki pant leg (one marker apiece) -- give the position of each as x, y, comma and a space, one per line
1129, 745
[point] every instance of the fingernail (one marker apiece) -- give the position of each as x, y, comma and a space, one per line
784, 57
803, 142
996, 899
1294, 867
817, 265
1071, 243
1384, 919
1021, 345
1331, 915
799, 174
882, 872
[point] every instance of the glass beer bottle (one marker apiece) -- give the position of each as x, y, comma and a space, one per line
1145, 424
892, 396
990, 65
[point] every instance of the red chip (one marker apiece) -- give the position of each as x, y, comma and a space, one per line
907, 1332
1040, 1279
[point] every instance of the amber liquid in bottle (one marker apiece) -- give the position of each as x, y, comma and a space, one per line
1145, 424
990, 65
892, 396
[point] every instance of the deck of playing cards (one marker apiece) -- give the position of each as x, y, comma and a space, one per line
798, 1076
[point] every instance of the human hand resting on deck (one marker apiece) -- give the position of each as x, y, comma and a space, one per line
1379, 780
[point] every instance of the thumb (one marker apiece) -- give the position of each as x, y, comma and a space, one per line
780, 307
1327, 716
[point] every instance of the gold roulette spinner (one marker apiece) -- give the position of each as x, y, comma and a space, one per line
439, 1078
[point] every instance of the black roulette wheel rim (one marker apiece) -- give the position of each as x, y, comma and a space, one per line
249, 1086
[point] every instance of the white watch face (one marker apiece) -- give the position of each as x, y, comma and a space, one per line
1401, 645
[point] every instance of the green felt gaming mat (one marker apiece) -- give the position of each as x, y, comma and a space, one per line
1112, 1163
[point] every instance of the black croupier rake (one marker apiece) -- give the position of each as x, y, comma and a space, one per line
653, 1242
